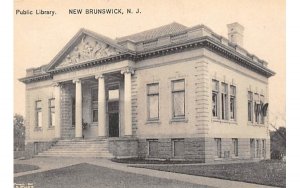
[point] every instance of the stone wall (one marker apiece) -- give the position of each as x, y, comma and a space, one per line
123, 147
193, 149
33, 148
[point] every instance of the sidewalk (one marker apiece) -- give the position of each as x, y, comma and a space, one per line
46, 164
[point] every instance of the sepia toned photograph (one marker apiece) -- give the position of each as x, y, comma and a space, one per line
155, 93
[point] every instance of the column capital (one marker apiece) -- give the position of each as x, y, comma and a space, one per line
101, 76
127, 70
76, 80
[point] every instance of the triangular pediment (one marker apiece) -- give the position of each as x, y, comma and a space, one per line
85, 46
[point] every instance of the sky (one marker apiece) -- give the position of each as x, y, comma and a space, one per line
38, 38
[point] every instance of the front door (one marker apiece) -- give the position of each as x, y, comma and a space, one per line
114, 124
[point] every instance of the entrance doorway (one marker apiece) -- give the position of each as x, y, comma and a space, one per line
113, 111
114, 124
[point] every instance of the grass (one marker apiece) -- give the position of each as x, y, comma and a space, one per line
269, 172
90, 176
24, 168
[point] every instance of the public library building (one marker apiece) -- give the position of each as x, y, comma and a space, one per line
172, 92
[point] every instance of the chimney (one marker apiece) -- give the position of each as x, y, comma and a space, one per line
235, 33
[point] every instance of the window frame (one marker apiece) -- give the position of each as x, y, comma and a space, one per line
148, 151
173, 92
51, 107
218, 144
235, 143
150, 95
215, 92
250, 102
94, 104
256, 106
173, 147
232, 95
224, 101
38, 109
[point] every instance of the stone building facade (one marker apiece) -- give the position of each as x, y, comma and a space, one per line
173, 92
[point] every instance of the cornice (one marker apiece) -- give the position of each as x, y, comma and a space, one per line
201, 42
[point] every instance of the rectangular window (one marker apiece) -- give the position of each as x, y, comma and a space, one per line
235, 144
250, 106
113, 94
218, 147
95, 115
73, 107
252, 148
264, 148
39, 115
178, 148
232, 102
215, 93
224, 99
178, 98
262, 118
51, 104
94, 94
257, 148
256, 108
153, 148
153, 101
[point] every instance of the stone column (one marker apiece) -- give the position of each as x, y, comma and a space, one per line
78, 109
127, 101
101, 106
57, 120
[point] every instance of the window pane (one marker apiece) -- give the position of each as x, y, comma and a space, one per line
153, 148
153, 107
178, 85
178, 148
95, 115
224, 88
152, 88
178, 104
38, 104
232, 107
232, 90
250, 96
52, 120
252, 148
224, 106
214, 104
95, 94
113, 94
39, 119
215, 85
235, 146
218, 147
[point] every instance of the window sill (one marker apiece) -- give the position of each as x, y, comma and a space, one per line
256, 125
225, 121
174, 120
38, 128
157, 121
218, 159
51, 128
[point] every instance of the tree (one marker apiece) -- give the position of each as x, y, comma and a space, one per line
278, 143
19, 132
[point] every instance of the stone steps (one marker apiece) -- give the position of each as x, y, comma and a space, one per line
80, 148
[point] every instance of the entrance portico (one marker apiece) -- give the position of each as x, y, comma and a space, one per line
102, 102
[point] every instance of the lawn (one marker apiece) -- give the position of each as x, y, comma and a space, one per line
269, 172
24, 168
90, 176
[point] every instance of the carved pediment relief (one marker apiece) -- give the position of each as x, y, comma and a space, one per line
88, 49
